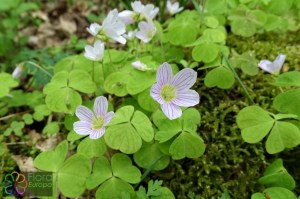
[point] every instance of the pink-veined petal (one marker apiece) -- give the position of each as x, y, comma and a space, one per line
155, 93
172, 111
100, 106
164, 74
266, 65
84, 114
108, 117
82, 127
95, 134
278, 62
184, 79
186, 98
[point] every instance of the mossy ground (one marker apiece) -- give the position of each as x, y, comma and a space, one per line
229, 162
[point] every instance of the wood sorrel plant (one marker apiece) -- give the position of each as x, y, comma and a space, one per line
127, 109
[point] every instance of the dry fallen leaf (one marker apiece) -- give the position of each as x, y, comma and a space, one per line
24, 163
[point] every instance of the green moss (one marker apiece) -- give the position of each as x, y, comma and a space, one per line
228, 162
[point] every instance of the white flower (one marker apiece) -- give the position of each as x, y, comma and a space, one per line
171, 92
272, 67
112, 27
130, 35
93, 123
146, 32
94, 29
94, 53
139, 65
140, 12
18, 71
173, 8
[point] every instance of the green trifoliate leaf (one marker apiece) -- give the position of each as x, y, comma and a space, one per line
285, 116
182, 31
220, 6
149, 154
40, 112
247, 62
255, 123
27, 118
147, 102
51, 128
279, 7
81, 81
215, 35
101, 172
283, 135
122, 168
52, 160
139, 81
7, 82
288, 102
17, 127
116, 83
220, 77
187, 145
115, 56
75, 62
91, 148
291, 78
165, 193
114, 188
63, 100
73, 174
211, 22
225, 195
277, 176
190, 120
127, 130
206, 52
275, 193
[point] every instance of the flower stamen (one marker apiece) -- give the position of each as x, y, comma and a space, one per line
168, 92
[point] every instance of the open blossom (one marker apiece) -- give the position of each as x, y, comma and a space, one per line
146, 31
93, 123
94, 29
140, 12
272, 67
171, 92
139, 65
94, 53
112, 28
173, 8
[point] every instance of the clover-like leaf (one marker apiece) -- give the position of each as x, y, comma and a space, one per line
220, 77
101, 172
91, 147
147, 102
114, 188
206, 52
283, 135
122, 168
81, 81
52, 160
275, 193
187, 145
72, 176
277, 176
127, 130
247, 62
7, 82
150, 154
255, 123
140, 81
291, 78
288, 102
182, 31
116, 83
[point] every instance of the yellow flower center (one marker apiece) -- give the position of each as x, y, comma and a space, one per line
97, 123
149, 33
168, 92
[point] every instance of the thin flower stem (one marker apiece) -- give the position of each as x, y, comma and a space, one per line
93, 75
39, 67
12, 115
102, 67
238, 78
150, 168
